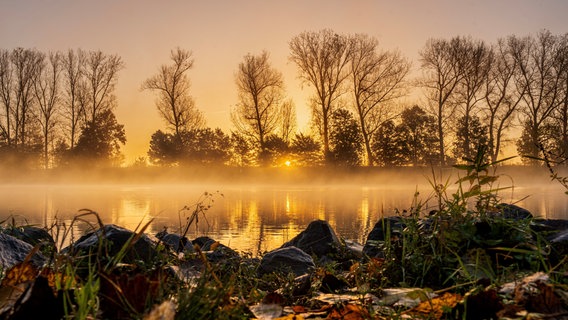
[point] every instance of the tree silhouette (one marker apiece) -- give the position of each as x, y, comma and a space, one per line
345, 139
501, 103
205, 146
100, 141
377, 80
306, 150
174, 102
541, 67
165, 149
440, 61
322, 59
477, 137
46, 89
389, 146
74, 87
100, 75
418, 130
261, 109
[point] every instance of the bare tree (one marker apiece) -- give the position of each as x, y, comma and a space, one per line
561, 113
538, 80
46, 89
500, 103
441, 76
377, 79
6, 88
322, 59
101, 75
473, 63
74, 101
288, 122
174, 102
261, 93
26, 64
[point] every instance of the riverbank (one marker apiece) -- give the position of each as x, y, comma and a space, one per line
499, 264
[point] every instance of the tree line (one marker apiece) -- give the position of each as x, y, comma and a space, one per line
58, 108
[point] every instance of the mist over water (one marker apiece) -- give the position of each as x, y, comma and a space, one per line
261, 216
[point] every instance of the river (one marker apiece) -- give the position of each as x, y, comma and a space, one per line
246, 217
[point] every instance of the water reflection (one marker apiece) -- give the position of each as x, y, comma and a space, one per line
254, 219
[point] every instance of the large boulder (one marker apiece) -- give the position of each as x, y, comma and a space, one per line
109, 240
288, 259
384, 228
318, 238
14, 251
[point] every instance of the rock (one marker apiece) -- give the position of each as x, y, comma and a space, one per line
549, 225
14, 251
392, 225
559, 245
288, 259
511, 211
318, 238
175, 241
354, 247
214, 250
32, 235
114, 238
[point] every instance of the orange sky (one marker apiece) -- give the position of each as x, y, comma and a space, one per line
220, 33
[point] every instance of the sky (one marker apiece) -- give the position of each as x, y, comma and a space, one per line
220, 33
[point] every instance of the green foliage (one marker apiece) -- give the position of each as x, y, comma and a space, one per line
469, 135
275, 150
389, 146
345, 139
419, 131
198, 146
100, 140
306, 150
412, 141
466, 238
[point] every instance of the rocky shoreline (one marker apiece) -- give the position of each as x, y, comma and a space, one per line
318, 261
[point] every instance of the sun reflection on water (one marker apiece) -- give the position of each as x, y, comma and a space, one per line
253, 219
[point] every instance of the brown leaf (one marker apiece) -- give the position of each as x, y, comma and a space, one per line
349, 312
20, 273
437, 306
299, 309
545, 300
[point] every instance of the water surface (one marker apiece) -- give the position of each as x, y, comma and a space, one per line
246, 217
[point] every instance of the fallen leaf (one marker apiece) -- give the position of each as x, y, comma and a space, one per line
290, 317
20, 273
437, 306
299, 309
349, 312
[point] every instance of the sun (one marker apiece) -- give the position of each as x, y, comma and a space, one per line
288, 163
